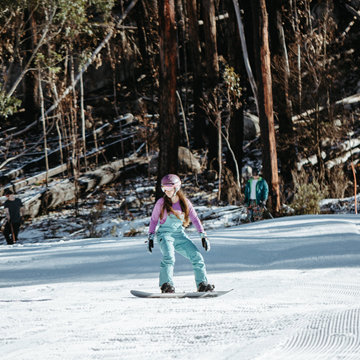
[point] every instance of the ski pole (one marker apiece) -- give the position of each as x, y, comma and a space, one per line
268, 211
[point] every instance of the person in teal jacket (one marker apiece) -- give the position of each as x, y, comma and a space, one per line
256, 195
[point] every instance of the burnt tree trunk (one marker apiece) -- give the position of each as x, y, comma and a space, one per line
266, 115
145, 45
212, 80
195, 51
282, 103
169, 130
30, 81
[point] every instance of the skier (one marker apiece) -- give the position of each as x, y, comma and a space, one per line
256, 194
175, 211
14, 211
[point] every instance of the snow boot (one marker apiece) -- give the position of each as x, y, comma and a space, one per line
167, 288
204, 287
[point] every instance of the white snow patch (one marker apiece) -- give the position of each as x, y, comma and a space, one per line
296, 284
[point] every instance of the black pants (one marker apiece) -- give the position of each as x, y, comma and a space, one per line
8, 233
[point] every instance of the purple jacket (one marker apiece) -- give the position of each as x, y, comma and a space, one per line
155, 216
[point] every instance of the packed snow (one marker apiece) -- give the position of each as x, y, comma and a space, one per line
296, 294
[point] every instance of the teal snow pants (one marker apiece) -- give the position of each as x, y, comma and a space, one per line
170, 238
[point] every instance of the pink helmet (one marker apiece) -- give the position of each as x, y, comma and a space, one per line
171, 181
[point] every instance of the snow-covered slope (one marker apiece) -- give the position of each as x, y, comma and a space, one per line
296, 284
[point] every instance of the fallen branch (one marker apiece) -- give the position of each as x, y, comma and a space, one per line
39, 177
59, 193
341, 159
100, 131
349, 100
25, 151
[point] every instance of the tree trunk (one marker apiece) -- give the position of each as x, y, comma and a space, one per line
141, 17
83, 118
236, 126
246, 55
169, 130
182, 24
297, 32
318, 142
195, 51
266, 115
212, 80
249, 35
31, 101
44, 130
286, 141
74, 158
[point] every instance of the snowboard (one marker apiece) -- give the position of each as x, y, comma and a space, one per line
192, 295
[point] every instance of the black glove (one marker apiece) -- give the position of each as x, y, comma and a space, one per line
150, 243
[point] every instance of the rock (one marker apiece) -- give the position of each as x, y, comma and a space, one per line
251, 126
187, 162
246, 171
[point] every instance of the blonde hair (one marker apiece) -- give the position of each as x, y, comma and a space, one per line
184, 207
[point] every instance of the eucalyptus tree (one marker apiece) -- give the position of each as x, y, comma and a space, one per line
169, 130
32, 26
265, 101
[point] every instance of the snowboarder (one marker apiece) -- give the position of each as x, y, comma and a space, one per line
256, 194
174, 211
14, 211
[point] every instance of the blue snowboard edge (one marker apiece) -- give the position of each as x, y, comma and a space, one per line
192, 295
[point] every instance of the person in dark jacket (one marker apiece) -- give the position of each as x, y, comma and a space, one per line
256, 194
14, 211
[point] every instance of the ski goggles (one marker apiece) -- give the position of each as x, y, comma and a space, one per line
167, 187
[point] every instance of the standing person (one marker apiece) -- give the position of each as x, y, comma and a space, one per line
174, 211
14, 211
256, 194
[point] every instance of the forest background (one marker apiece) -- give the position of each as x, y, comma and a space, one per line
185, 72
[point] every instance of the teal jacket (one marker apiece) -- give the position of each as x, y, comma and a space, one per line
262, 191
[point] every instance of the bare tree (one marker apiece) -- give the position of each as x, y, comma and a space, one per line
44, 127
83, 119
265, 104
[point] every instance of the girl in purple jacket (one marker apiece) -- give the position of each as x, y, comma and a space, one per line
173, 212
